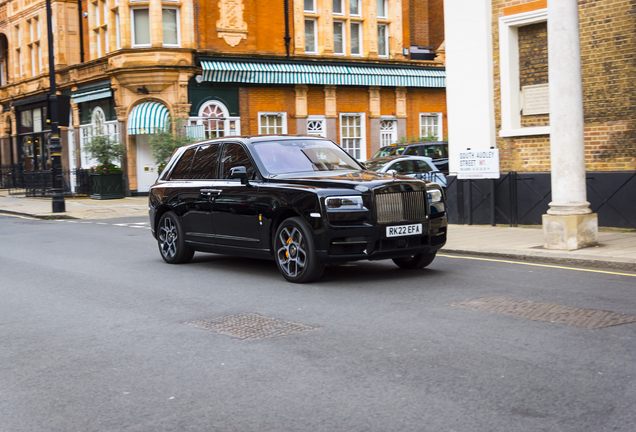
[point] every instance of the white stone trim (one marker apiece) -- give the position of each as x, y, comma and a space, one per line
509, 73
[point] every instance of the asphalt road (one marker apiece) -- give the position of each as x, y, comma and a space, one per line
94, 336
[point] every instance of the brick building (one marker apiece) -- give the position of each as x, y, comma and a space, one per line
363, 73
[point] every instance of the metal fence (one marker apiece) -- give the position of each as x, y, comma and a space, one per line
40, 183
522, 198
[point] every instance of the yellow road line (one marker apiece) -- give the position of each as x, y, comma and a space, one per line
18, 216
537, 265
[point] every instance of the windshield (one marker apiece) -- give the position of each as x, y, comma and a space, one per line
286, 157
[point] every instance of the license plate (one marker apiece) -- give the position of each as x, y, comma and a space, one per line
403, 230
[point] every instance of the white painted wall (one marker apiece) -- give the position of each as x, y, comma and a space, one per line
469, 70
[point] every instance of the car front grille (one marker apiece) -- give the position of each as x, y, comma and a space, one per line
400, 206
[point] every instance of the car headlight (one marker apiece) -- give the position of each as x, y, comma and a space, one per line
434, 195
344, 203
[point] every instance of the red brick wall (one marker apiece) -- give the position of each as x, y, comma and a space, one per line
424, 101
436, 22
418, 21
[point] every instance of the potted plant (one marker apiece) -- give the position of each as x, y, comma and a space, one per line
106, 178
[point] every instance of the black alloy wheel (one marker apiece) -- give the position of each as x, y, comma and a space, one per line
295, 253
171, 240
417, 261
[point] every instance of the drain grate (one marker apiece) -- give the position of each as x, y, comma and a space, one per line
552, 312
251, 326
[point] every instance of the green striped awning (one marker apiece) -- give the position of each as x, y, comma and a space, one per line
148, 118
90, 95
254, 72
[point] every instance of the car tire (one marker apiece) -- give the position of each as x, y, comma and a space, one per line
295, 253
417, 261
171, 241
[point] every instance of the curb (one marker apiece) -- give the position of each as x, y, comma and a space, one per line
576, 262
37, 215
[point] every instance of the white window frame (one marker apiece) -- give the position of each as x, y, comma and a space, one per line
117, 30
178, 18
388, 136
362, 138
317, 119
228, 121
342, 9
132, 28
359, 14
262, 114
360, 38
386, 10
315, 50
386, 39
313, 7
87, 131
440, 126
509, 73
344, 37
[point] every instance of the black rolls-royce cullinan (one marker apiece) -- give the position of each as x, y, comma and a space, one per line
300, 200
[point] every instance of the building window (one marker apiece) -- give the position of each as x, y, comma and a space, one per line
388, 132
100, 27
339, 37
310, 6
214, 121
141, 27
316, 125
383, 40
431, 125
310, 35
382, 9
352, 135
337, 7
98, 127
171, 27
356, 38
117, 30
354, 7
272, 123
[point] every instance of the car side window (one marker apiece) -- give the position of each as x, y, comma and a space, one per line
403, 167
412, 151
206, 162
182, 169
235, 155
433, 151
422, 166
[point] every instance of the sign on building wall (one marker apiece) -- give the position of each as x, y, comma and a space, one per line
535, 99
478, 164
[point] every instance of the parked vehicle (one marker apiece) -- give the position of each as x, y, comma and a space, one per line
302, 201
438, 151
412, 166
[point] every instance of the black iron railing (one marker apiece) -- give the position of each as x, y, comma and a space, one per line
39, 183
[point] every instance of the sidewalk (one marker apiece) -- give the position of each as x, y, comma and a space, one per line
76, 208
616, 250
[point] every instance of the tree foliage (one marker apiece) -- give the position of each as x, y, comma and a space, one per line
164, 143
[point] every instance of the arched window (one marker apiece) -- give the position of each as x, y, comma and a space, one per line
213, 121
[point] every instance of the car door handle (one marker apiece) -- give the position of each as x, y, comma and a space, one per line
211, 191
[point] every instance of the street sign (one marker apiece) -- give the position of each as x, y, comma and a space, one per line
478, 164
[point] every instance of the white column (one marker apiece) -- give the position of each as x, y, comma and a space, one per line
567, 146
569, 224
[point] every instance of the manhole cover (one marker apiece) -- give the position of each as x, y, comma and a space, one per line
552, 312
250, 326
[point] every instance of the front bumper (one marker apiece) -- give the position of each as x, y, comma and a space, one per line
367, 242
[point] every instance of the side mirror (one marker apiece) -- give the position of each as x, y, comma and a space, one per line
239, 172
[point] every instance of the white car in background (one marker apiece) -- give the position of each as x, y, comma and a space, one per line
419, 167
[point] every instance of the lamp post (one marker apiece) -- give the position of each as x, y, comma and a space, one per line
55, 147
